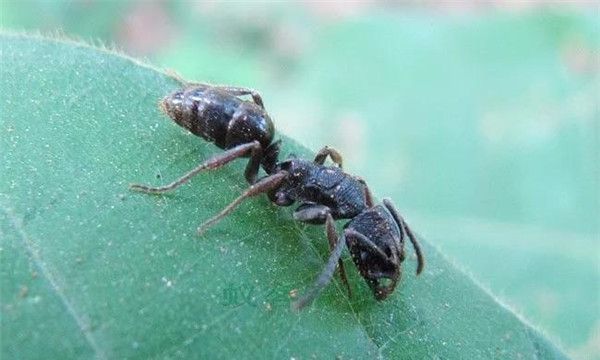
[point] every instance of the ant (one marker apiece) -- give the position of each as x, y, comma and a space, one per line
375, 234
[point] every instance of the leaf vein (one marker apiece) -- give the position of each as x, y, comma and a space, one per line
30, 247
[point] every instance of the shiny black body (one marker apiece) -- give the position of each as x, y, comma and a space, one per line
217, 114
375, 234
219, 117
313, 184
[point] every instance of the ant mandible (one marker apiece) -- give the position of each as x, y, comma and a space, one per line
375, 234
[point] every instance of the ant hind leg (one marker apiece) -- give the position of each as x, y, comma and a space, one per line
214, 163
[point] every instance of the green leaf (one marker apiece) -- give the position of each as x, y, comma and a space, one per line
89, 269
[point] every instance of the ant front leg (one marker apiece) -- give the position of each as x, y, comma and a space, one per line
218, 161
333, 239
325, 276
317, 214
335, 156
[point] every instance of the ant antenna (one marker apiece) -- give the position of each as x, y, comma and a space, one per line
406, 230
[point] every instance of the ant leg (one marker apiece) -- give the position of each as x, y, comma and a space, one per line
333, 238
324, 278
406, 230
253, 165
368, 195
214, 163
241, 91
317, 214
261, 186
312, 213
335, 156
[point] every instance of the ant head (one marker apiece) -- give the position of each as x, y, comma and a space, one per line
372, 239
381, 274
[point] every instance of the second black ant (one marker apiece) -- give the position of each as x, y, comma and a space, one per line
375, 234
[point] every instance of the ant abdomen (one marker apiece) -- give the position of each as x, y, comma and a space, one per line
216, 115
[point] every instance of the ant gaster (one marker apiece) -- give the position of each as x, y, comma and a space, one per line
217, 114
375, 234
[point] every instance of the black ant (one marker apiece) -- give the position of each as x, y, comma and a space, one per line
375, 234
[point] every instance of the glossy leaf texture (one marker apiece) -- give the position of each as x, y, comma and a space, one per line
89, 269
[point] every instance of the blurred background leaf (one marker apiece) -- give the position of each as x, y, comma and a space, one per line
481, 121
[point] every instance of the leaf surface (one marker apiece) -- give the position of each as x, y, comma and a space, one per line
89, 269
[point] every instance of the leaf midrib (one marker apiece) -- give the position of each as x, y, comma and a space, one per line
30, 248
